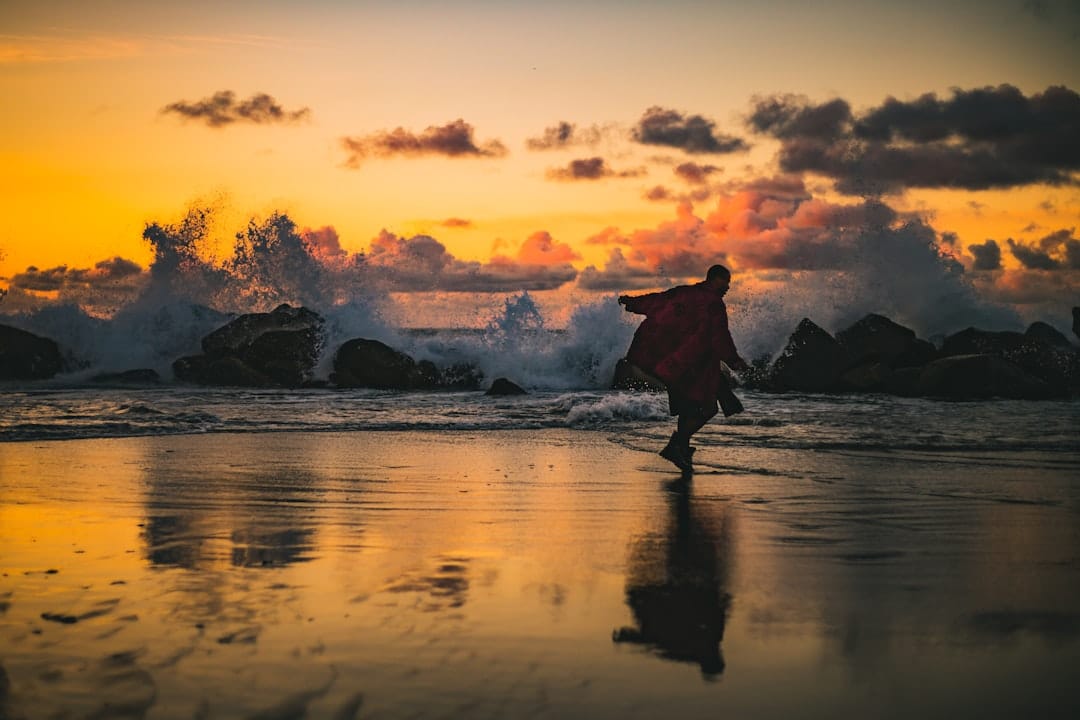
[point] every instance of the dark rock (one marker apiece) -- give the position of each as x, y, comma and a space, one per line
141, 376
812, 361
630, 377
26, 356
1056, 366
877, 339
502, 386
980, 376
372, 364
286, 356
279, 348
973, 341
461, 376
234, 337
871, 377
1048, 335
204, 370
903, 382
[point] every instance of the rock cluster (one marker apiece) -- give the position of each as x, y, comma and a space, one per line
275, 349
878, 355
282, 347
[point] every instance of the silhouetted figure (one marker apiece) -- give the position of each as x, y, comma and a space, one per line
677, 588
683, 341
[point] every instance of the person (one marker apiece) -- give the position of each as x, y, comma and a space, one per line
682, 341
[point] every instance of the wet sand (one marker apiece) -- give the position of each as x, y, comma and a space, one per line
529, 574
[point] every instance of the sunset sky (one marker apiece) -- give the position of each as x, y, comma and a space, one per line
582, 146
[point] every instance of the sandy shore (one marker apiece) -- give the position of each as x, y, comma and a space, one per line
527, 574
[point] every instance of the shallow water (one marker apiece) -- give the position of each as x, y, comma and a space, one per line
543, 573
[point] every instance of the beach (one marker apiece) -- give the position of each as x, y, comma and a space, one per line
532, 573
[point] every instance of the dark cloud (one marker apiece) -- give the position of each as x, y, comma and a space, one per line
222, 109
106, 272
454, 140
593, 168
566, 135
987, 255
976, 140
422, 263
658, 193
1032, 258
1059, 250
792, 116
786, 187
104, 288
695, 174
693, 134
456, 222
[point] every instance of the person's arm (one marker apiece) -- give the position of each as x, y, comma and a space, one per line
722, 345
644, 304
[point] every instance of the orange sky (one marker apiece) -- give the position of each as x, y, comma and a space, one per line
92, 153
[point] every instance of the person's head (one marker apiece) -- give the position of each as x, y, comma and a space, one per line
718, 278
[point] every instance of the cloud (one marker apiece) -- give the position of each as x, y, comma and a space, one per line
593, 168
323, 242
422, 263
987, 255
455, 139
566, 135
58, 278
695, 174
692, 134
456, 222
658, 193
619, 274
541, 249
1057, 251
222, 108
792, 116
1038, 294
992, 137
102, 288
797, 255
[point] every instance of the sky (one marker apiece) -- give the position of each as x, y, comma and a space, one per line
473, 149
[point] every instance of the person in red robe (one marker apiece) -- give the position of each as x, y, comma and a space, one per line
683, 341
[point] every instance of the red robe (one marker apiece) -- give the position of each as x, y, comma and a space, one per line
683, 339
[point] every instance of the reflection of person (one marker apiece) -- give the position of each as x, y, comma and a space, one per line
682, 341
676, 588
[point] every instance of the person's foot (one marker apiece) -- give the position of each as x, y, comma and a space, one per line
675, 455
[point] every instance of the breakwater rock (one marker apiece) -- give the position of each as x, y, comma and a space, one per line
275, 349
878, 355
369, 363
26, 356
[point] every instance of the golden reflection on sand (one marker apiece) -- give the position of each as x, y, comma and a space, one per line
551, 574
